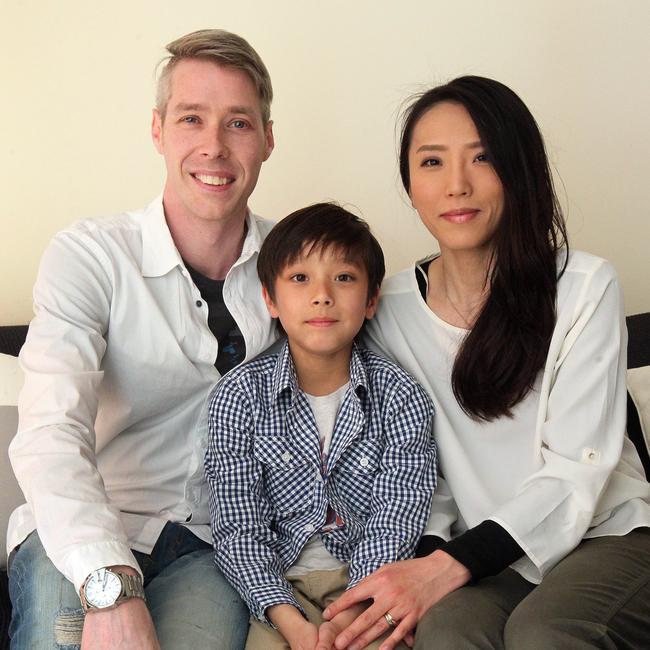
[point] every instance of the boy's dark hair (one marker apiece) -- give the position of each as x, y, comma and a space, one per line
319, 227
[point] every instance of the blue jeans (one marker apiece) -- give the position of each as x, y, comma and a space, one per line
191, 603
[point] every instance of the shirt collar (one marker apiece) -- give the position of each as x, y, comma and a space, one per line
284, 375
159, 252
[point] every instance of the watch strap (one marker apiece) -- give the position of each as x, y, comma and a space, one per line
132, 587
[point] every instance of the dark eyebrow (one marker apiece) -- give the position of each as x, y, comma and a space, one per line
440, 147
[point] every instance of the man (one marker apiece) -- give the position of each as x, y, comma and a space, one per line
136, 316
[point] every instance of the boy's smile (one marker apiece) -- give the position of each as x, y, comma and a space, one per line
322, 301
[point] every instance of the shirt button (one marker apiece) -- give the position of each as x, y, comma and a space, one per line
286, 457
364, 462
199, 303
309, 528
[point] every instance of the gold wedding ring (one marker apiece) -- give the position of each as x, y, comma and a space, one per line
390, 620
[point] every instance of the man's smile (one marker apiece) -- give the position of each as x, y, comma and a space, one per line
209, 179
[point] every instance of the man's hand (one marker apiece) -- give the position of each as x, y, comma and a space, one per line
404, 589
125, 627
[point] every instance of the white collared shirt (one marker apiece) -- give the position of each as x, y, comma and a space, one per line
118, 363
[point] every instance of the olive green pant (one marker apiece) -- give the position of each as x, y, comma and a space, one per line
597, 597
314, 591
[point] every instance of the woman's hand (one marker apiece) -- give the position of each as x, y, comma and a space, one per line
405, 590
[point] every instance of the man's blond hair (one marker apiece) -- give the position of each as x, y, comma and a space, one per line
223, 48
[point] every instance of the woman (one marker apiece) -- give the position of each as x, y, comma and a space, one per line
521, 345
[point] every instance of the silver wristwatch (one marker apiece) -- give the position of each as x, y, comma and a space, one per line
105, 588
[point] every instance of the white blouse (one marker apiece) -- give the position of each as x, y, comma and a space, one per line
562, 467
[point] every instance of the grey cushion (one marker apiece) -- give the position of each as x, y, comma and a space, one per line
10, 495
11, 380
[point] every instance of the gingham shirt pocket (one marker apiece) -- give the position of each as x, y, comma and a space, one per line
288, 477
355, 473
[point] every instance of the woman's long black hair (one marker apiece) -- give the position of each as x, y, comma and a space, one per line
501, 356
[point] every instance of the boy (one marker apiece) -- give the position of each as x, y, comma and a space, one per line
320, 460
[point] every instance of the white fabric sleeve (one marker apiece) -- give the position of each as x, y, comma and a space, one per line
444, 511
581, 424
53, 453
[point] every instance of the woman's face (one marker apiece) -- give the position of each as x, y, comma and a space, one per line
454, 187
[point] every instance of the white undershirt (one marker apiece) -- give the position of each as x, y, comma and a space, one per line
314, 556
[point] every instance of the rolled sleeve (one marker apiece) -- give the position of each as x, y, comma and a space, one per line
581, 434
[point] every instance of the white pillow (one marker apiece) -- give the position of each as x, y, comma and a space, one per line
638, 384
11, 381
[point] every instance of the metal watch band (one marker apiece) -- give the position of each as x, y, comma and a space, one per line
132, 586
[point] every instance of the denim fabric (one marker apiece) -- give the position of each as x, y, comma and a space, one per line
191, 604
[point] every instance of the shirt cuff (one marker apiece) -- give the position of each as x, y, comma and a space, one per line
428, 544
81, 562
485, 550
262, 599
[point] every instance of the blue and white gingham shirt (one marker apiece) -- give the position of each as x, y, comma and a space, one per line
268, 493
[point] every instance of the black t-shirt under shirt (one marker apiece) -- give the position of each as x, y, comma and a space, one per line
232, 347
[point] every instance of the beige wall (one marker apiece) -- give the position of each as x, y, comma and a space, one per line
77, 86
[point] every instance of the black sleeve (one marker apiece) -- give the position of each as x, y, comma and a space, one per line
428, 544
485, 550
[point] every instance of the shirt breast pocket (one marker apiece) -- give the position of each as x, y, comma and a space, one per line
288, 477
355, 473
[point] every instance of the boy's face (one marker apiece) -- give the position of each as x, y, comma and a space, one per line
322, 301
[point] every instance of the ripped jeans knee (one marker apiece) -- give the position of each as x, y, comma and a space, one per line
46, 611
68, 627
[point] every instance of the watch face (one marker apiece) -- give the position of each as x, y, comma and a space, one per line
102, 588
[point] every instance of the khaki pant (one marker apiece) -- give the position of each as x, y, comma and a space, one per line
598, 596
314, 591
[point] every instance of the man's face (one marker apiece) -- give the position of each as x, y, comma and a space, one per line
213, 140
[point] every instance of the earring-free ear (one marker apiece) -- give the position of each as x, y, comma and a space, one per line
270, 304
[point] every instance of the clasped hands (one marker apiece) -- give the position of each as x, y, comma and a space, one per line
300, 634
405, 591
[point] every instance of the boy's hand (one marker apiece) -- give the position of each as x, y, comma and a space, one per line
307, 639
329, 630
298, 632
303, 636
